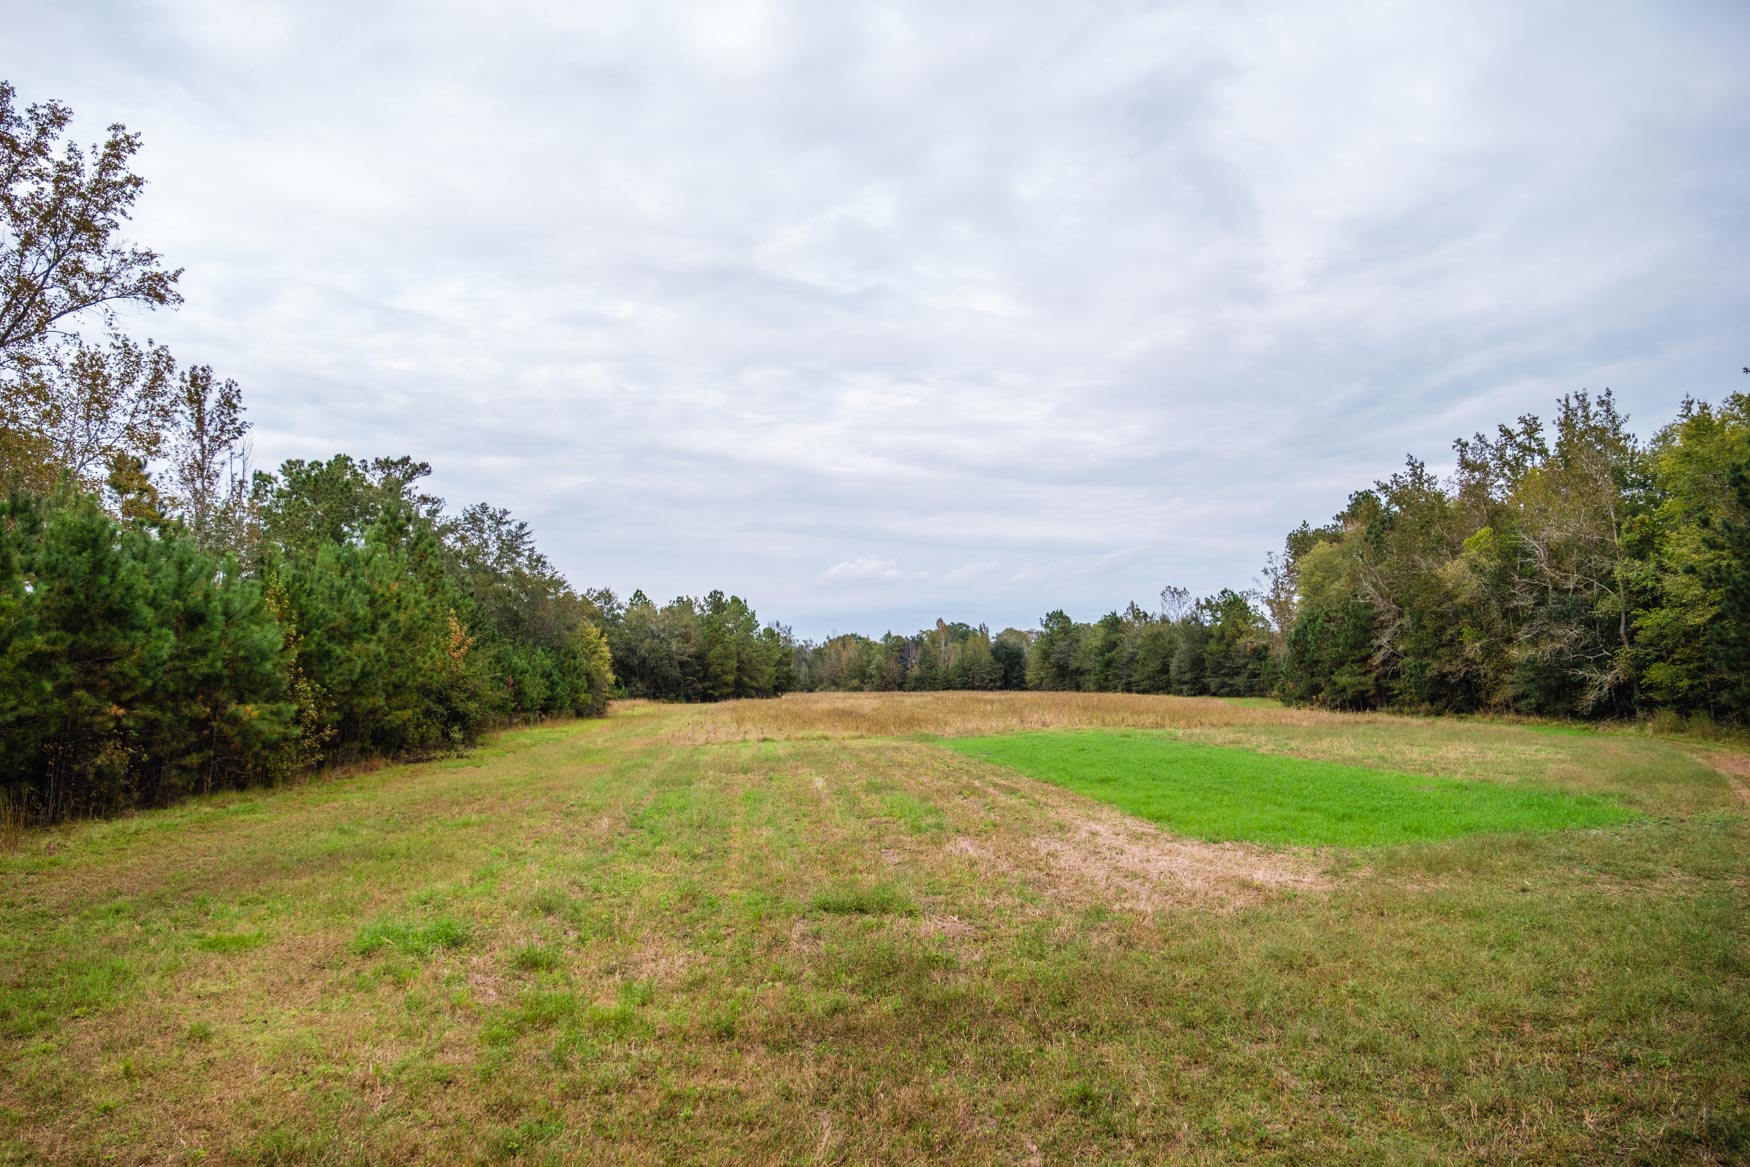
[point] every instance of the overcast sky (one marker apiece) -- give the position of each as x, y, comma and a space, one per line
878, 312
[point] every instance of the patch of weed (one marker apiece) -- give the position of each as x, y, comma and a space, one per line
77, 987
411, 938
849, 899
538, 958
510, 1141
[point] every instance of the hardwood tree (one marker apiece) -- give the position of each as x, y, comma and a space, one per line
64, 264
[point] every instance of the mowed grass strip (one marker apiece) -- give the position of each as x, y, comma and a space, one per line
1226, 794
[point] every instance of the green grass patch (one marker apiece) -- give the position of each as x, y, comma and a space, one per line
410, 938
230, 941
1225, 794
78, 987
918, 816
538, 958
540, 1010
525, 1136
878, 899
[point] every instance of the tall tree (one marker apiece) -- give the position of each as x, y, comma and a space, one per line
1580, 565
209, 474
65, 264
61, 212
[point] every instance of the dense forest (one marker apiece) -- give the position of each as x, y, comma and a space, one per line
1565, 570
172, 619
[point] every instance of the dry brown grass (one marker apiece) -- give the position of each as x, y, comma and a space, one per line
1735, 766
851, 715
11, 825
1130, 864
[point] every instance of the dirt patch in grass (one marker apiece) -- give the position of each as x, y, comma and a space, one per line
1082, 853
1734, 766
1147, 870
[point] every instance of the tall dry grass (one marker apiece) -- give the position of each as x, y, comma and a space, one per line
12, 823
955, 714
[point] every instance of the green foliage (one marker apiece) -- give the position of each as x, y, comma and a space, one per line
379, 638
1236, 652
1725, 572
1056, 662
133, 665
136, 664
1689, 637
416, 632
66, 404
1329, 659
1568, 571
1009, 653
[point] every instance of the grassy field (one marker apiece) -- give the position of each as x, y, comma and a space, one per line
808, 931
1227, 793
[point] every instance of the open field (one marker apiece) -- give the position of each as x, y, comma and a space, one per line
805, 931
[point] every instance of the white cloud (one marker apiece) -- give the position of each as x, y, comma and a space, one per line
715, 293
864, 570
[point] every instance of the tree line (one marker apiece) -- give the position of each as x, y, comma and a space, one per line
710, 649
171, 620
1568, 569
1216, 646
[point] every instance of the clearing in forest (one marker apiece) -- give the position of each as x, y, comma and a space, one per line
825, 929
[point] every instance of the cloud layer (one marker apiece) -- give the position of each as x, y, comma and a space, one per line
878, 313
